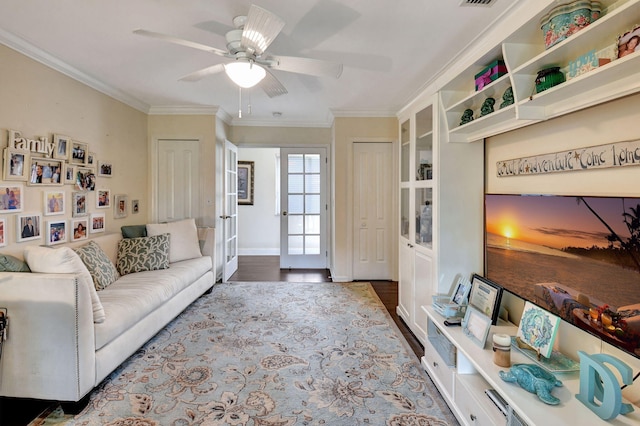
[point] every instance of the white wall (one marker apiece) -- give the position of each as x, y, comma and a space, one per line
258, 225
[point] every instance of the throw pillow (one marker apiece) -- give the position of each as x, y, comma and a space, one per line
12, 264
64, 261
143, 254
102, 270
184, 238
133, 231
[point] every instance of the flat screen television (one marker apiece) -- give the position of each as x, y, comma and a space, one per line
578, 257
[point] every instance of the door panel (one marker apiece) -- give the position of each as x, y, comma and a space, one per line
178, 179
230, 215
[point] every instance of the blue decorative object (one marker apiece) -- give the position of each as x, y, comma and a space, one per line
538, 328
597, 381
534, 379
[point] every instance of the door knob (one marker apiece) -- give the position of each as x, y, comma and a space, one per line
225, 217
284, 213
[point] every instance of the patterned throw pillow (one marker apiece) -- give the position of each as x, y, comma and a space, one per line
10, 263
143, 254
102, 270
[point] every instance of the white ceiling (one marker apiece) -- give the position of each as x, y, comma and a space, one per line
390, 49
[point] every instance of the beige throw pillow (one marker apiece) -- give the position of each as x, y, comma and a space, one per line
183, 238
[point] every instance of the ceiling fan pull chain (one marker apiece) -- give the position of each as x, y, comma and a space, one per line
239, 102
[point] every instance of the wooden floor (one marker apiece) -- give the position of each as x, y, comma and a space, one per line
19, 412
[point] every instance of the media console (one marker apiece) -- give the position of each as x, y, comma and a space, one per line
463, 371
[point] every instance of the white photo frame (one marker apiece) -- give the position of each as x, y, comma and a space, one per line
135, 206
29, 227
91, 160
79, 204
79, 153
476, 326
96, 223
120, 202
85, 179
105, 168
3, 231
56, 232
44, 171
460, 294
11, 198
103, 198
79, 229
54, 203
69, 174
16, 164
62, 146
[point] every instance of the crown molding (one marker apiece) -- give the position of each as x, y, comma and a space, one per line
183, 110
244, 122
342, 113
22, 46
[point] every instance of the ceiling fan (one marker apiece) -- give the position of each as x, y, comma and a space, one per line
246, 46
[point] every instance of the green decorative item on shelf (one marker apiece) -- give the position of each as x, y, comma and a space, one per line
487, 106
507, 97
547, 78
467, 116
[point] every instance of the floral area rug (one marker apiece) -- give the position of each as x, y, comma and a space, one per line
262, 354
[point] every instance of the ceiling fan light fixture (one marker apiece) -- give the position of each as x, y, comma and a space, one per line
245, 74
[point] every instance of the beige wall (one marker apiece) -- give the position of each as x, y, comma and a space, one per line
38, 101
279, 136
346, 132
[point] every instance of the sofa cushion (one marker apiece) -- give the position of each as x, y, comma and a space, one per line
134, 231
10, 263
143, 254
102, 270
184, 238
64, 261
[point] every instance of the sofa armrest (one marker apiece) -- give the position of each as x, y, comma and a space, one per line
50, 349
207, 241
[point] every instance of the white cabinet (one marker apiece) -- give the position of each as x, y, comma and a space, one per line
524, 54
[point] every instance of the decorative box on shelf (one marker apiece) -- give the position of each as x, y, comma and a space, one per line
491, 72
441, 344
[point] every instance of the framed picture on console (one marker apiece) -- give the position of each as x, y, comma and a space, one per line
476, 326
485, 296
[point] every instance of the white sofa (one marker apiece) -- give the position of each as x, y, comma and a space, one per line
55, 350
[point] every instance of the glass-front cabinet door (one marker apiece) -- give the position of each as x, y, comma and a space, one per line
424, 217
405, 151
424, 144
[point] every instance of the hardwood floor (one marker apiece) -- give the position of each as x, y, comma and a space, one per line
19, 412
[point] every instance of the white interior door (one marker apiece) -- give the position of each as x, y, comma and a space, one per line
230, 215
178, 189
372, 211
303, 222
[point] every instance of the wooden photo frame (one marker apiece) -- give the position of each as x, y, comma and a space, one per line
28, 227
120, 202
96, 223
79, 229
54, 203
476, 326
11, 198
16, 164
485, 296
56, 232
45, 171
79, 153
3, 231
103, 198
61, 147
105, 168
85, 179
79, 204
245, 182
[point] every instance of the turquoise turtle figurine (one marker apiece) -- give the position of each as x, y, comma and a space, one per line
534, 379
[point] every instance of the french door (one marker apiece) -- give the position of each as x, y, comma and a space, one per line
230, 209
303, 220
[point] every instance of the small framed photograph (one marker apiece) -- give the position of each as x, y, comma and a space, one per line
79, 153
105, 168
79, 204
135, 206
85, 179
103, 198
56, 232
45, 171
62, 147
16, 164
628, 42
485, 297
79, 229
3, 227
53, 203
91, 159
476, 326
245, 182
538, 328
120, 205
11, 197
69, 172
96, 223
461, 291
29, 227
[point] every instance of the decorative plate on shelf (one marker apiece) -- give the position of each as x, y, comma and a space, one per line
556, 363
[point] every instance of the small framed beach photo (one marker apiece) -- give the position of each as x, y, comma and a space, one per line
105, 169
79, 204
120, 206
11, 198
45, 171
103, 198
29, 227
16, 164
79, 153
79, 229
56, 232
476, 326
96, 223
3, 231
61, 147
485, 296
53, 203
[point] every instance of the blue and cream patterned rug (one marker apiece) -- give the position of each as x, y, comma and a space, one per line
271, 354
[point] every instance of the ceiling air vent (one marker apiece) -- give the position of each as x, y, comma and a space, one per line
476, 2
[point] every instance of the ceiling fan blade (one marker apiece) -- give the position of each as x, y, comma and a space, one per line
272, 86
181, 42
199, 75
261, 28
307, 66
